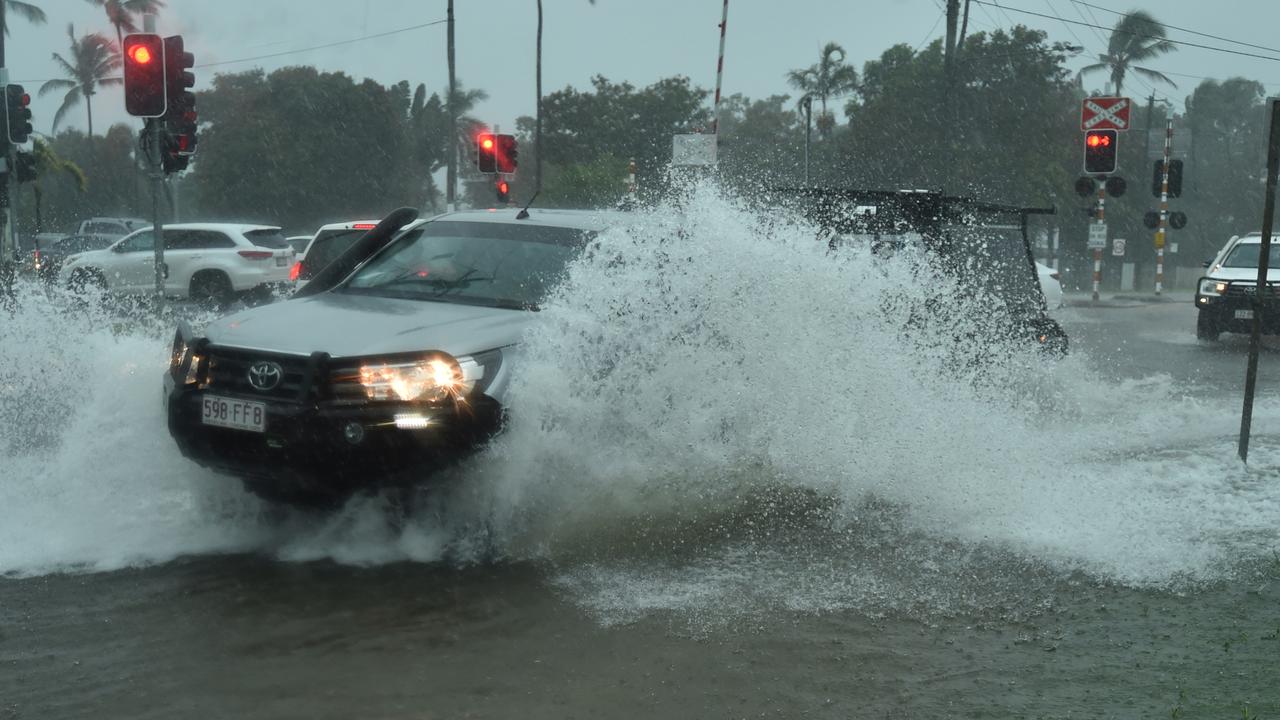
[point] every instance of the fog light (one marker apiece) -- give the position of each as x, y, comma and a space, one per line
354, 433
413, 421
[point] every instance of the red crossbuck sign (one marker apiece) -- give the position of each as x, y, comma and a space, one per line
1105, 113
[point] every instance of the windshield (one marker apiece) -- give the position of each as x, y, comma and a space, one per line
1245, 255
272, 239
326, 248
499, 264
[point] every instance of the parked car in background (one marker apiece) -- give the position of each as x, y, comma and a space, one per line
1051, 286
33, 252
299, 244
207, 262
1225, 296
110, 227
56, 253
329, 242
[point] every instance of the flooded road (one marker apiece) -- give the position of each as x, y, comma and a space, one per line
681, 526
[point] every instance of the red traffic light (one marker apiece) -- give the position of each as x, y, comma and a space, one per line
1100, 148
144, 81
503, 187
486, 142
140, 54
1098, 140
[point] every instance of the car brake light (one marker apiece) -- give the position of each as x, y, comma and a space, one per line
295, 271
363, 226
256, 254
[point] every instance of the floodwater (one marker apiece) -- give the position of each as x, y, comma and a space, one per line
732, 487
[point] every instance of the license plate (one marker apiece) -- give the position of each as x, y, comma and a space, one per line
1244, 314
281, 261
232, 413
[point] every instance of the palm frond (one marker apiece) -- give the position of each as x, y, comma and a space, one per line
1153, 75
69, 101
56, 84
26, 10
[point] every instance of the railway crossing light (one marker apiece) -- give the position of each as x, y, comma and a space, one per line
144, 85
17, 113
487, 152
1100, 150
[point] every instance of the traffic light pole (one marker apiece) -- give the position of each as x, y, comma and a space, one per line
1263, 296
155, 137
1164, 206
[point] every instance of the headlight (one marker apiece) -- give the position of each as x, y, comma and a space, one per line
181, 354
430, 379
1209, 286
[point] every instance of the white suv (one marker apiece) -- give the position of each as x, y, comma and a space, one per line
1228, 294
206, 261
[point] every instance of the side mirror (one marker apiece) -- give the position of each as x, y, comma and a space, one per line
1207, 263
117, 248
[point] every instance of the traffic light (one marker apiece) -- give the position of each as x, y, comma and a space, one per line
504, 191
1175, 178
24, 166
487, 152
17, 113
506, 153
144, 86
180, 117
1100, 147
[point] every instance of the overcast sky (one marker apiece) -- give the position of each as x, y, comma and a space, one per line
635, 40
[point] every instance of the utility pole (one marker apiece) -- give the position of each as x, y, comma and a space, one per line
451, 175
948, 61
807, 102
8, 252
537, 129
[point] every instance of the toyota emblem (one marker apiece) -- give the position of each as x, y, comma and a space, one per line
265, 375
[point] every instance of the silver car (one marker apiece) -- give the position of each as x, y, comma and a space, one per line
392, 362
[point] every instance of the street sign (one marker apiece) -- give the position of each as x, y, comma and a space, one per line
1117, 247
1105, 113
1097, 236
693, 149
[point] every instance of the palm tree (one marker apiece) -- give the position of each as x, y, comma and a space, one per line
121, 14
27, 10
93, 60
831, 77
1135, 38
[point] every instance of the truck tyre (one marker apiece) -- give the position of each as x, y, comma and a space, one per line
1208, 327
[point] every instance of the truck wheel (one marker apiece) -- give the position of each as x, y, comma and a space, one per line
211, 288
1207, 326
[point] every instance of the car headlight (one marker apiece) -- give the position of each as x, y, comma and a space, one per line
430, 379
181, 355
1209, 286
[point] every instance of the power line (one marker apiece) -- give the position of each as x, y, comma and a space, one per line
326, 45
926, 37
1136, 34
1180, 29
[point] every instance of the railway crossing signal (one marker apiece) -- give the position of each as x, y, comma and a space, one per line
1100, 151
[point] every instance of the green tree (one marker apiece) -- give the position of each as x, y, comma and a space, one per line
93, 60
613, 120
49, 163
829, 78
1136, 38
29, 11
300, 147
106, 165
761, 142
122, 14
1224, 183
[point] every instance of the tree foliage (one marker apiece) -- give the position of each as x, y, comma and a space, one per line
299, 146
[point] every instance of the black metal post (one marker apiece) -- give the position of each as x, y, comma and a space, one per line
1262, 295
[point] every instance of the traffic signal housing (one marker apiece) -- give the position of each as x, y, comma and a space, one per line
507, 153
180, 117
17, 113
1100, 150
144, 70
487, 152
24, 167
1175, 177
